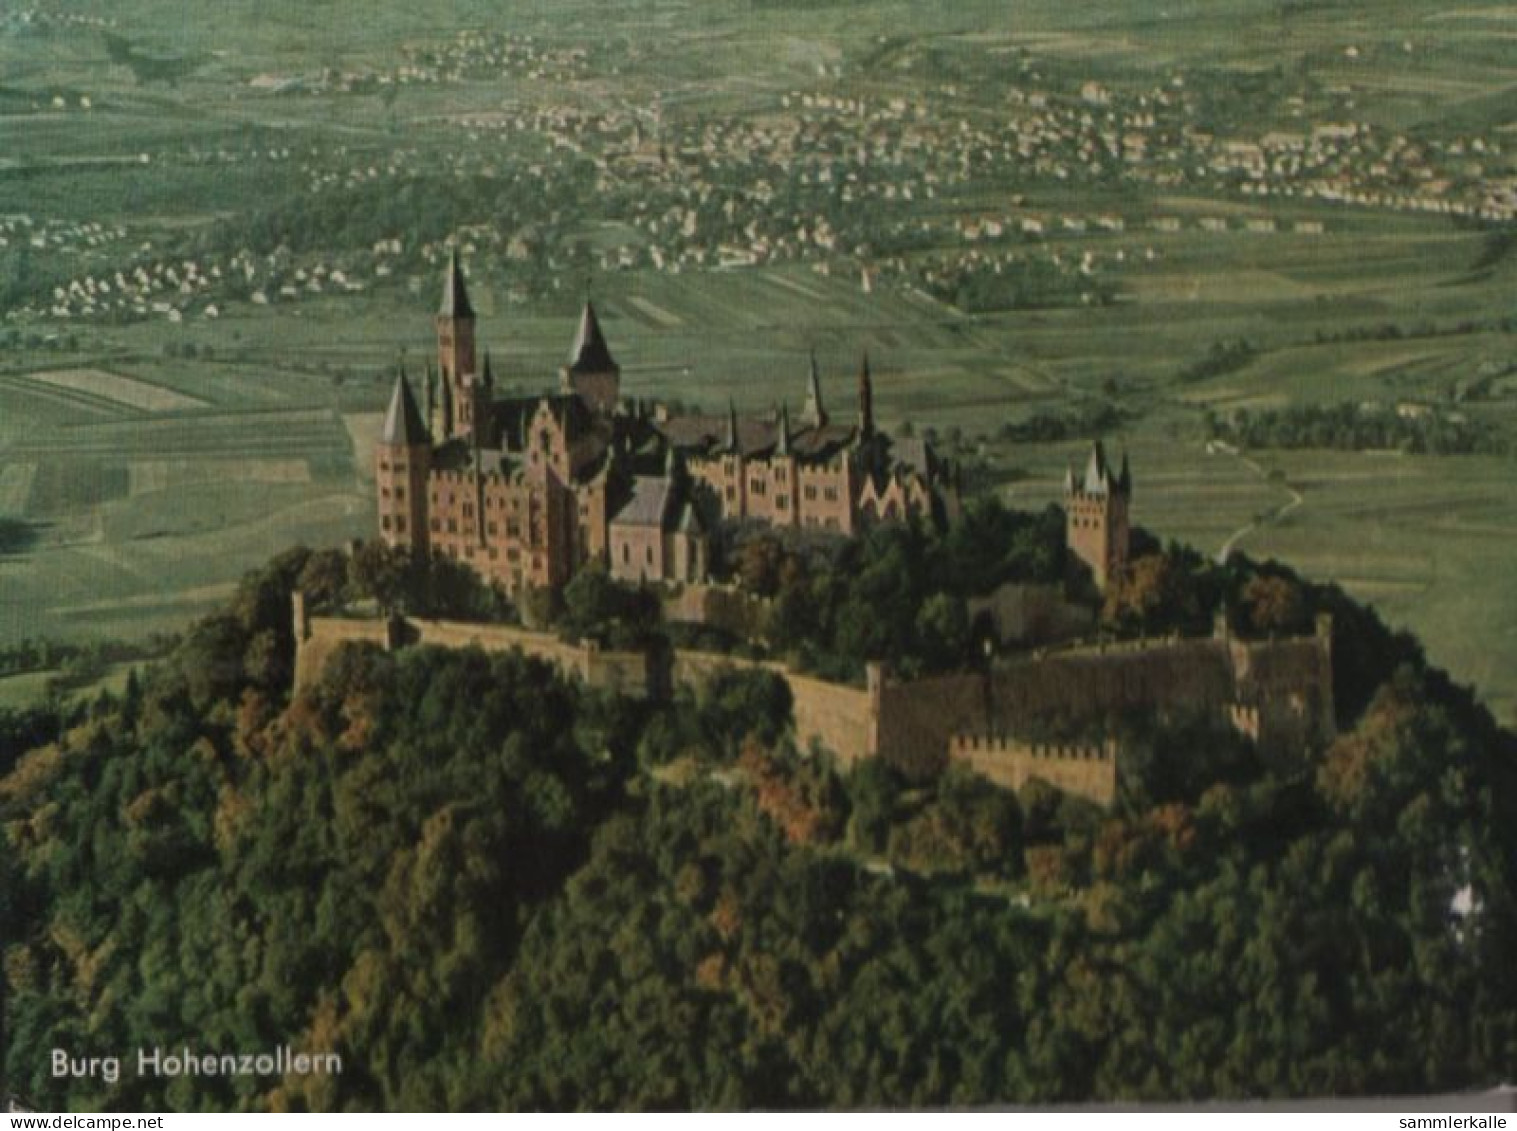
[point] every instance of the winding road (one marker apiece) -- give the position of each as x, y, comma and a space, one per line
1295, 500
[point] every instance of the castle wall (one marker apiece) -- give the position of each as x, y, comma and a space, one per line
833, 714
1277, 692
1088, 771
323, 636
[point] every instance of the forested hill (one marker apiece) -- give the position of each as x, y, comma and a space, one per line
484, 888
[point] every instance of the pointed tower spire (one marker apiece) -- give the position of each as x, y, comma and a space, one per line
403, 427
1097, 474
455, 296
590, 354
782, 445
866, 400
447, 409
489, 372
1124, 478
813, 413
430, 393
731, 444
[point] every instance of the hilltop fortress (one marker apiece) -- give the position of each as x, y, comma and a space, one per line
527, 490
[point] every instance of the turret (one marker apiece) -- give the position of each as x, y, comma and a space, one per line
813, 413
592, 373
782, 445
866, 400
455, 352
732, 444
1096, 515
403, 461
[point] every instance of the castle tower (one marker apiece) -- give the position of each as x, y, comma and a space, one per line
592, 373
813, 413
866, 400
403, 459
1096, 515
455, 352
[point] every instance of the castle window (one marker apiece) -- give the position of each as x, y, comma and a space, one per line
384, 522
648, 554
626, 553
452, 526
384, 492
493, 529
436, 526
782, 501
830, 494
400, 494
513, 529
384, 465
400, 524
810, 493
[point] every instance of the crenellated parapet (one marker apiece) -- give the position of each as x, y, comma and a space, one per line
1086, 770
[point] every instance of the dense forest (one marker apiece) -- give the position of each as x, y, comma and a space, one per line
484, 887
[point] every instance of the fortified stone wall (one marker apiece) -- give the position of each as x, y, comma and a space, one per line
1088, 771
833, 714
316, 638
1277, 692
1286, 687
626, 672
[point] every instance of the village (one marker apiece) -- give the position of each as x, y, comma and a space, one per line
1064, 184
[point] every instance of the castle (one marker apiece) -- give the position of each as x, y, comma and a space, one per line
526, 490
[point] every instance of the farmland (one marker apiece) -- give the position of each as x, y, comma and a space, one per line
220, 240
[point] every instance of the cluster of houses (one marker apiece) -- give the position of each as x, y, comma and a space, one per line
831, 178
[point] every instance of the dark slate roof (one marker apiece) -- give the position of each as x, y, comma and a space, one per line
590, 354
1099, 479
814, 414
649, 503
756, 436
403, 424
455, 296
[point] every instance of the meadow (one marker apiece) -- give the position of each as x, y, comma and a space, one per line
157, 455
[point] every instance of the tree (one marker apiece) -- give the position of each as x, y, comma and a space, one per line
380, 573
1275, 604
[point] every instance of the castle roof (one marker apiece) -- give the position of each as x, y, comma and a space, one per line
650, 502
813, 413
756, 436
403, 425
455, 296
1099, 479
590, 354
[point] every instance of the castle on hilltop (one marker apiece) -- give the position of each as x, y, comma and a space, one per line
526, 490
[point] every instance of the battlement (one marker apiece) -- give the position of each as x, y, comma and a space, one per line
1086, 770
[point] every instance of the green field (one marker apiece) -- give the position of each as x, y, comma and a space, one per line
158, 446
